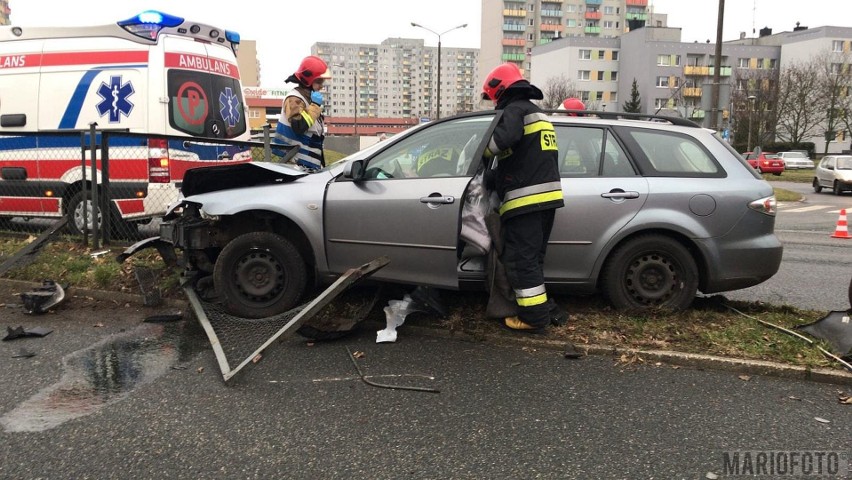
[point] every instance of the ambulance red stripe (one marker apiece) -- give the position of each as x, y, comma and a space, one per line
56, 59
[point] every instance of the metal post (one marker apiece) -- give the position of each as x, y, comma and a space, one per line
714, 92
357, 99
105, 196
83, 186
267, 148
750, 114
94, 179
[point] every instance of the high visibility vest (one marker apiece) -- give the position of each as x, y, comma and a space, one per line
310, 143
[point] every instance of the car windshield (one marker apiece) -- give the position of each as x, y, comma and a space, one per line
844, 163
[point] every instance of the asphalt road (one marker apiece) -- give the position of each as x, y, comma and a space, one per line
107, 396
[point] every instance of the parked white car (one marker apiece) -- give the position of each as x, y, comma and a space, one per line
834, 172
794, 160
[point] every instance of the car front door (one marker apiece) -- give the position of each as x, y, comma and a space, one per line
408, 206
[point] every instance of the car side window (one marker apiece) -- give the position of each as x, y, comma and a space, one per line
447, 149
673, 154
615, 163
579, 150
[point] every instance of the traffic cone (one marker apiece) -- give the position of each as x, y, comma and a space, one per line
842, 230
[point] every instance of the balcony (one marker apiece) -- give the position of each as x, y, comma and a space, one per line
593, 30
696, 70
550, 28
514, 42
636, 16
598, 2
692, 92
551, 13
590, 15
514, 13
697, 114
514, 27
637, 3
513, 57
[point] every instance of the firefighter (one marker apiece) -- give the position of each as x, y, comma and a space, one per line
524, 172
301, 122
572, 103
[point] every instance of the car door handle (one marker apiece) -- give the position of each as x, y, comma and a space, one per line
438, 199
619, 193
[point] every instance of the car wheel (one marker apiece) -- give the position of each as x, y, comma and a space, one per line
650, 271
817, 186
74, 207
259, 274
838, 188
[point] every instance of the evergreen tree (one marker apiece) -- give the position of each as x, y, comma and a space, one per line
634, 105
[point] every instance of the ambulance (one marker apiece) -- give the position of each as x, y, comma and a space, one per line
171, 83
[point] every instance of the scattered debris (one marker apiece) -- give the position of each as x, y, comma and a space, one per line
164, 317
200, 370
353, 356
43, 298
395, 314
711, 476
98, 325
822, 420
844, 398
835, 328
744, 378
791, 397
99, 253
257, 358
572, 352
13, 333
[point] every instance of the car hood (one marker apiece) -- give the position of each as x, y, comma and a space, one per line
225, 177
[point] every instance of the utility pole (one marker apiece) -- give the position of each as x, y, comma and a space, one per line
717, 67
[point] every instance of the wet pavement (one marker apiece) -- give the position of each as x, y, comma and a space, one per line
109, 396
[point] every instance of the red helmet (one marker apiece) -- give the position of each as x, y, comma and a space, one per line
572, 103
311, 69
500, 79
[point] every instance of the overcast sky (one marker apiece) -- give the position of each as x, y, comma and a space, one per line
285, 30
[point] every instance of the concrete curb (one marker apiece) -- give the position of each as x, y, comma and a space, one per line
693, 360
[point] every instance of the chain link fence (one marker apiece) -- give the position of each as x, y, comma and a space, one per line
113, 189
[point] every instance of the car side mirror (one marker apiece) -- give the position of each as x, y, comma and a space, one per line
354, 170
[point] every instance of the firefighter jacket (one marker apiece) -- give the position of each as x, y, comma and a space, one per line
301, 123
525, 168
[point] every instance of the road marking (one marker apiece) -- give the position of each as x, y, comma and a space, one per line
809, 209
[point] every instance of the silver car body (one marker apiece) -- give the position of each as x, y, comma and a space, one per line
834, 172
795, 160
718, 207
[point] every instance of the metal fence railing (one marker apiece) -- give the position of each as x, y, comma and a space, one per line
111, 185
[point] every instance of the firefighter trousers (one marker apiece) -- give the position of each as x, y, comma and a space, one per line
524, 246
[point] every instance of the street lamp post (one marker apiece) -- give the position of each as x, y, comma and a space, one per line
751, 99
439, 57
356, 93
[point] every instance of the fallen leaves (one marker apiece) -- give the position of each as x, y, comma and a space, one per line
744, 378
844, 398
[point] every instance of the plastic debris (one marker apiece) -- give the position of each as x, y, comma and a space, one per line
835, 328
24, 353
395, 314
13, 333
43, 298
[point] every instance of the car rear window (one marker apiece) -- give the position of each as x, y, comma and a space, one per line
205, 105
673, 154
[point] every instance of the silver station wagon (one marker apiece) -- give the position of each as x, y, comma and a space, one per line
656, 209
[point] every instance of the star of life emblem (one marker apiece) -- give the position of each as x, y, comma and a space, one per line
115, 101
228, 103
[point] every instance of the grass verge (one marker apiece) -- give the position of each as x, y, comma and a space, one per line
711, 326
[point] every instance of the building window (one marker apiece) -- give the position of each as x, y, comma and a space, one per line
531, 22
660, 103
609, 10
608, 24
601, 54
664, 60
599, 96
571, 8
615, 54
584, 75
613, 76
743, 63
613, 96
663, 82
773, 63
530, 37
585, 55
571, 22
600, 76
835, 68
584, 96
837, 45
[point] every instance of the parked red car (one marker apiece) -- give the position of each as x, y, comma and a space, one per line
765, 162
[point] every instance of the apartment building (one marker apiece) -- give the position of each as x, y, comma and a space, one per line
5, 12
399, 78
512, 28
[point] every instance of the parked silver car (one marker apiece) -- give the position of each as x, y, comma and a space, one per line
834, 172
795, 160
654, 212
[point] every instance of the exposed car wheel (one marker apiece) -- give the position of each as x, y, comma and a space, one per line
74, 208
817, 186
259, 274
650, 271
838, 188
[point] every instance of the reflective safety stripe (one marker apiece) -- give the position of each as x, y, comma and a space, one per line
492, 148
530, 297
531, 200
542, 126
308, 119
540, 188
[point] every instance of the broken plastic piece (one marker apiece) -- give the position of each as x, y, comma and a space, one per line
24, 353
835, 328
395, 314
43, 298
13, 333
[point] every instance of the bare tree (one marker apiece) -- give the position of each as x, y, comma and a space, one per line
800, 103
756, 106
833, 87
557, 89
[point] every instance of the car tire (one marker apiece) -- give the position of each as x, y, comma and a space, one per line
650, 271
74, 208
817, 186
259, 274
838, 188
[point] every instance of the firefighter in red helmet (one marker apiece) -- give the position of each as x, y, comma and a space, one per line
572, 103
301, 122
525, 174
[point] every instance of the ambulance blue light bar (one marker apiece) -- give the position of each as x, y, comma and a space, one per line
149, 23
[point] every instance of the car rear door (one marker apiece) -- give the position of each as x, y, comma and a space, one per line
408, 208
602, 194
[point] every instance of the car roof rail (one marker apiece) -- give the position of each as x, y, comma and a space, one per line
626, 115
